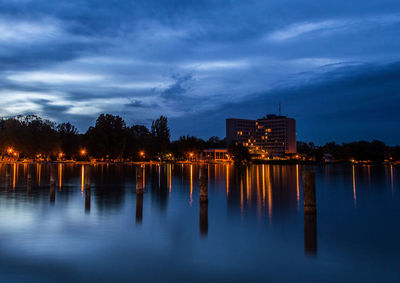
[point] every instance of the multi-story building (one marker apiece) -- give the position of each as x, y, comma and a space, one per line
271, 135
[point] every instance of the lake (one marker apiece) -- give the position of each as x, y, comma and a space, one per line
88, 224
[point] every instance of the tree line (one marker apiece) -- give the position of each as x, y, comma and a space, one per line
109, 139
374, 151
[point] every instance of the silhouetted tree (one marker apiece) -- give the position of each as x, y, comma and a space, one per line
70, 139
29, 135
239, 153
160, 134
215, 142
139, 139
108, 137
187, 144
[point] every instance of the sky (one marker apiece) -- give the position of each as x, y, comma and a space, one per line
334, 66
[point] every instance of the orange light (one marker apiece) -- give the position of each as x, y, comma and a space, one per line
10, 150
191, 154
83, 152
141, 153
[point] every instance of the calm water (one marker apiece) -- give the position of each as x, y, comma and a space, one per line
252, 229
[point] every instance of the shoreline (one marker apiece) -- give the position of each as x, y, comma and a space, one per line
256, 162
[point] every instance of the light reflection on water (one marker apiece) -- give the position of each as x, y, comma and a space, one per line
88, 222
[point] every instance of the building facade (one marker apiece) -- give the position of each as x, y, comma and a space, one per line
271, 135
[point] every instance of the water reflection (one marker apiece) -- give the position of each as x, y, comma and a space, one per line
52, 194
310, 233
139, 208
191, 184
87, 200
60, 173
270, 191
391, 178
354, 186
266, 194
203, 218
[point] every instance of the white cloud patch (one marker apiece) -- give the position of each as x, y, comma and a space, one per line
19, 102
215, 65
331, 26
299, 29
27, 31
54, 78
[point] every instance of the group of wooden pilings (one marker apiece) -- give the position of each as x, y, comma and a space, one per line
203, 184
53, 182
310, 214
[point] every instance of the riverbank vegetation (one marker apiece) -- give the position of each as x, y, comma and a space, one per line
110, 138
31, 137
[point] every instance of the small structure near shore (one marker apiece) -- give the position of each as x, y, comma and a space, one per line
215, 155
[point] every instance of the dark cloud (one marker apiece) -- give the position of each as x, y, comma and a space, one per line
178, 88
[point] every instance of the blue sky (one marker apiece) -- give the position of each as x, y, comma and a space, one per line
333, 65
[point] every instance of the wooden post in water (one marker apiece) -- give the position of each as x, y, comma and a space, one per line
8, 175
53, 176
139, 194
87, 188
309, 192
139, 180
203, 180
310, 214
29, 179
29, 174
87, 177
87, 199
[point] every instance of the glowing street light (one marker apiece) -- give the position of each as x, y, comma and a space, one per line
141, 154
83, 152
10, 150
